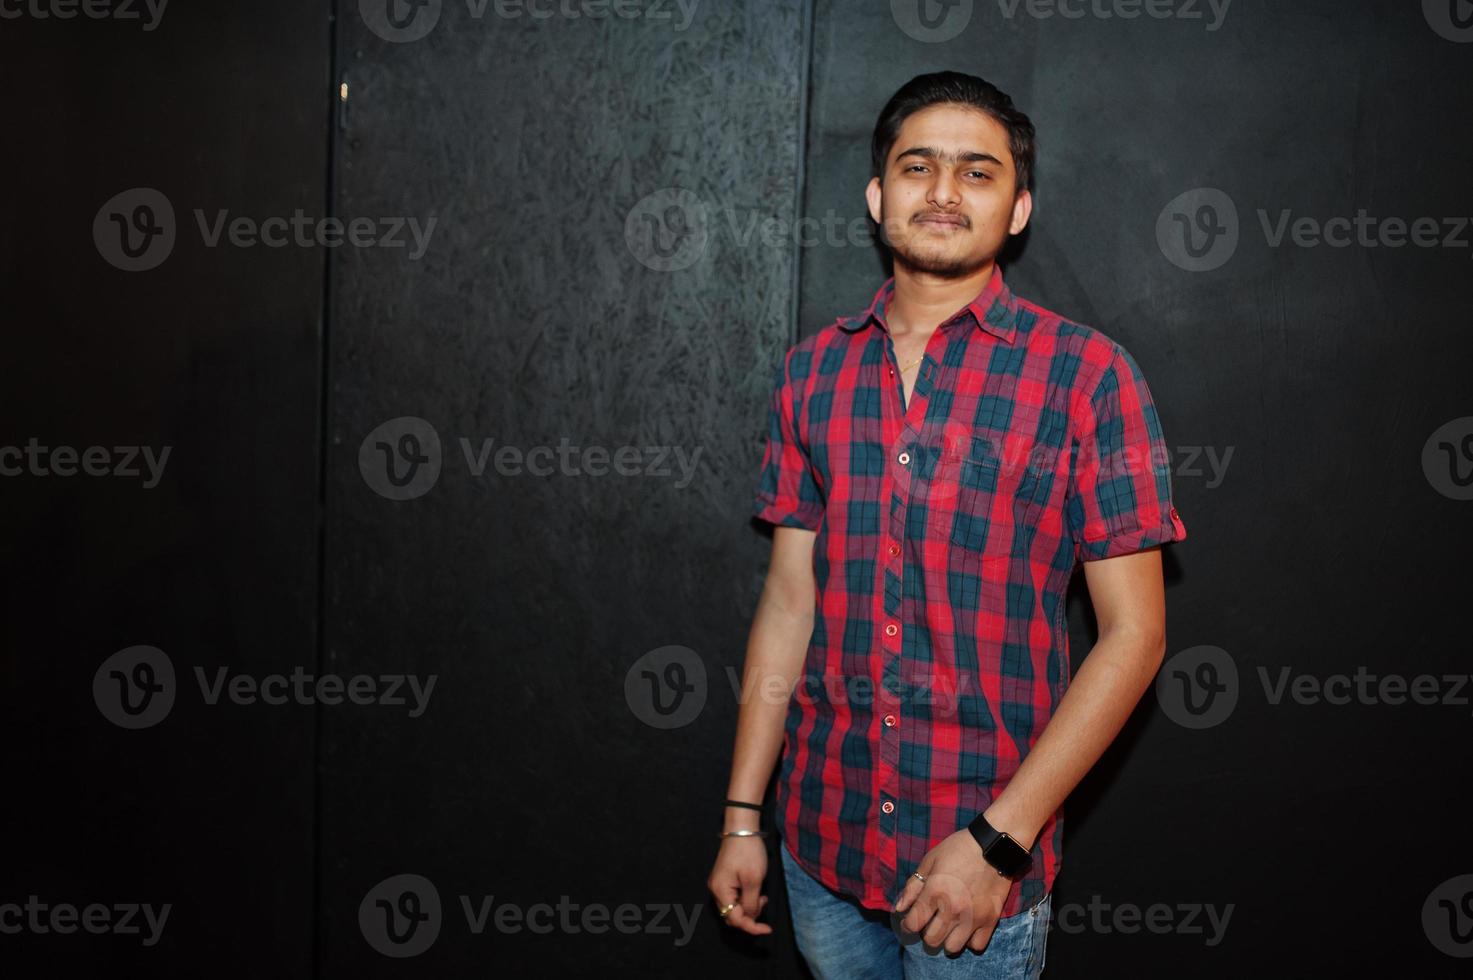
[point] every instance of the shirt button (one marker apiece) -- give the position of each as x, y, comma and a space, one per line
888, 807
895, 549
889, 721
904, 459
891, 629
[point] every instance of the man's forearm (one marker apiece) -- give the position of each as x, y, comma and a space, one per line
776, 649
1094, 708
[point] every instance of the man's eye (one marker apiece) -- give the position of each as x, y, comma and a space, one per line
985, 176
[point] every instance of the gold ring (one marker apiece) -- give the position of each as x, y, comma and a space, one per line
917, 874
728, 909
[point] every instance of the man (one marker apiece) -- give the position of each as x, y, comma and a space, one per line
935, 470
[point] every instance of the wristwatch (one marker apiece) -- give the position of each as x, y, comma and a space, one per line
1010, 858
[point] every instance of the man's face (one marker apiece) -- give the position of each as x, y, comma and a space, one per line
947, 203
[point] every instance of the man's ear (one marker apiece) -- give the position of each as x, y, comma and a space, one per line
1022, 208
872, 195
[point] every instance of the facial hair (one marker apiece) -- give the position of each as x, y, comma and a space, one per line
958, 267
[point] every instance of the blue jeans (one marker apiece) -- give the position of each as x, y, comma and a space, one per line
842, 940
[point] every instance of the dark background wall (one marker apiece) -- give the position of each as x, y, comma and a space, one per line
616, 264
214, 354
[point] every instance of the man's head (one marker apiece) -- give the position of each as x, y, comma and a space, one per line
952, 163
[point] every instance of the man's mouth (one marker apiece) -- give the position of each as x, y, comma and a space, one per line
942, 220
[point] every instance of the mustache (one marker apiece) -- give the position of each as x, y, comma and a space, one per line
963, 219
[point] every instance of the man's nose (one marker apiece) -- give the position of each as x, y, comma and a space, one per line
945, 191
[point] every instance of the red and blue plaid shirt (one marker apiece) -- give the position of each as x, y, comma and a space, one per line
947, 532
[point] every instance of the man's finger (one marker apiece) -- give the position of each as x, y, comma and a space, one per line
956, 939
940, 927
751, 894
916, 920
909, 893
726, 893
913, 885
739, 919
980, 938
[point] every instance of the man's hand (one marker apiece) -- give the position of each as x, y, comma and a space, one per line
961, 900
741, 864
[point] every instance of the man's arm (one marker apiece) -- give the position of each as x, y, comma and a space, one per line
1127, 593
1130, 606
1119, 513
776, 648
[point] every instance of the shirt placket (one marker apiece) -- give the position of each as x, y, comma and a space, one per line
900, 428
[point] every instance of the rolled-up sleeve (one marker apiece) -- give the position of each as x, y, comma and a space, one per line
1119, 494
787, 492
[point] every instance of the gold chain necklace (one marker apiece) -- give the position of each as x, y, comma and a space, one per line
913, 363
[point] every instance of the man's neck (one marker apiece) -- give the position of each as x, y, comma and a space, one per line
921, 301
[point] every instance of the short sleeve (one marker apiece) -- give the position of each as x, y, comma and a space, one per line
787, 492
1119, 493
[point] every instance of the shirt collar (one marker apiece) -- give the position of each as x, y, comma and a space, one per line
993, 309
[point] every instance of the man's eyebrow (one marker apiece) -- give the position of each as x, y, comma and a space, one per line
931, 153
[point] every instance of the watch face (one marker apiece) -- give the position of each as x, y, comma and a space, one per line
1008, 856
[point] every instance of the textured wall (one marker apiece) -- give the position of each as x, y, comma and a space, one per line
542, 312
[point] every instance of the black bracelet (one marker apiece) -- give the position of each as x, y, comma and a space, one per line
749, 806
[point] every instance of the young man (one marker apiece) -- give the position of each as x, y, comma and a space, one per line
936, 467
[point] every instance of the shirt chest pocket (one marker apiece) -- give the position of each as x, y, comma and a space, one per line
985, 505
